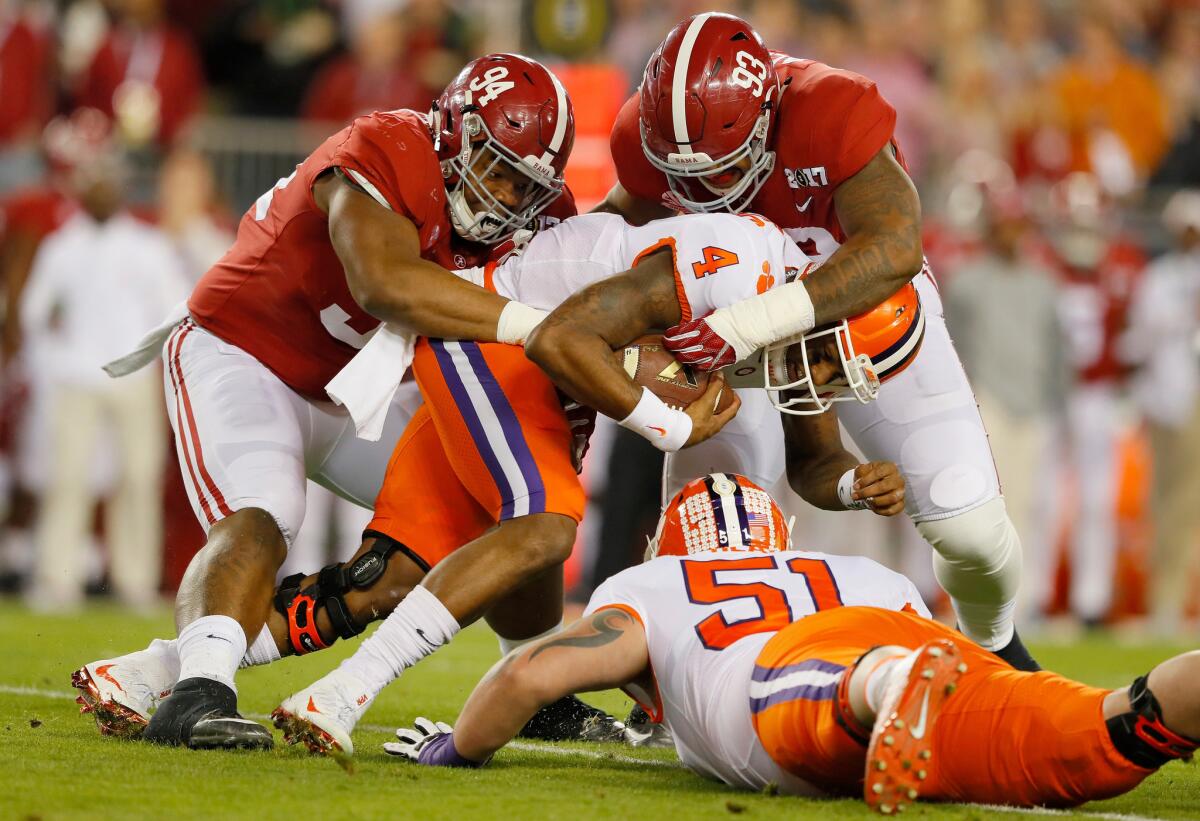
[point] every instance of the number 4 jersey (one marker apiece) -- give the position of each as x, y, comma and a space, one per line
280, 292
707, 617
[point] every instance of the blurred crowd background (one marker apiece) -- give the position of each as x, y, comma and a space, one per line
1056, 145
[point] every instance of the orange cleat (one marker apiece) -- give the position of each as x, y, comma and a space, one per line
900, 755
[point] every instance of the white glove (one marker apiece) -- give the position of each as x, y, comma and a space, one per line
414, 739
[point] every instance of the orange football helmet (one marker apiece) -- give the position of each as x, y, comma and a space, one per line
721, 511
872, 347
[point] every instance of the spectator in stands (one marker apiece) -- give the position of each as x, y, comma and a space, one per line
376, 75
145, 75
1164, 337
97, 284
1110, 106
26, 97
1000, 309
189, 212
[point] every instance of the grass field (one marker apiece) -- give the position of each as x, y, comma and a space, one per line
55, 766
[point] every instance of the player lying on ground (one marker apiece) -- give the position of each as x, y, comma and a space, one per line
822, 675
423, 524
721, 123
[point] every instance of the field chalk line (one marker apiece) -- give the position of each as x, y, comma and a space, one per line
38, 692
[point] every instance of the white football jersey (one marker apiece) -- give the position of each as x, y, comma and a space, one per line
719, 258
707, 617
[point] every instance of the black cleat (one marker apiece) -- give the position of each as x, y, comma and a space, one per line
1018, 655
570, 719
202, 714
640, 731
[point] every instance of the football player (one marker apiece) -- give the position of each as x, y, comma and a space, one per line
720, 123
363, 231
421, 527
821, 675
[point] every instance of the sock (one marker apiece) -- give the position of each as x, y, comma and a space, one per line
419, 625
211, 647
262, 651
508, 645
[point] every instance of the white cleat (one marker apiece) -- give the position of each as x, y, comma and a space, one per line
322, 715
122, 692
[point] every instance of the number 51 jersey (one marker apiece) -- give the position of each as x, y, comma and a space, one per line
707, 617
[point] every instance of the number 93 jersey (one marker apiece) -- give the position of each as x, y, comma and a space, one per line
719, 258
707, 617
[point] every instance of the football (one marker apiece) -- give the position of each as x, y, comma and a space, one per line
652, 366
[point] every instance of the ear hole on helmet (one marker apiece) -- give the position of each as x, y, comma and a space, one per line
741, 35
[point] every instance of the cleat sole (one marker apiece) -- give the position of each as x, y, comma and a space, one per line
112, 718
297, 730
229, 734
889, 789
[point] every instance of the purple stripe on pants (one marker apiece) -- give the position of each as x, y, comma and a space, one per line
511, 427
459, 392
808, 692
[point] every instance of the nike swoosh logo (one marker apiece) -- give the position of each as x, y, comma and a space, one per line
803, 208
425, 639
218, 638
102, 671
662, 432
918, 729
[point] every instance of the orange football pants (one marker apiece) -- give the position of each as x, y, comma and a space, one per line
490, 443
1004, 737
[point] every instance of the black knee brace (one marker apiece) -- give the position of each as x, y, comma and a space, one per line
299, 607
1141, 736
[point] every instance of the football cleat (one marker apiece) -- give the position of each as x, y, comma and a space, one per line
640, 731
202, 714
121, 693
570, 719
900, 755
322, 715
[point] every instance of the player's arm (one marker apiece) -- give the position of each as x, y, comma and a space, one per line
826, 475
636, 211
380, 251
598, 652
880, 212
574, 346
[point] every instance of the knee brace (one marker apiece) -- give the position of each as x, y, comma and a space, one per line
978, 554
1140, 734
299, 607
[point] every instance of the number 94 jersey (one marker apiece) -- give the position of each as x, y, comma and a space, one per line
707, 617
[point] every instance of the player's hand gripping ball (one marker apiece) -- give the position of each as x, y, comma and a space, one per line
652, 366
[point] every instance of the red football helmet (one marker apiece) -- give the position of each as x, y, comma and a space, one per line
705, 112
502, 110
870, 348
721, 511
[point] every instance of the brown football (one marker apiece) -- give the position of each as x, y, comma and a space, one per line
652, 366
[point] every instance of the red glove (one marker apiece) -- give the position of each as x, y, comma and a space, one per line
695, 343
582, 421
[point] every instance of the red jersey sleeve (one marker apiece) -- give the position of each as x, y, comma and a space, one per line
845, 121
634, 171
390, 155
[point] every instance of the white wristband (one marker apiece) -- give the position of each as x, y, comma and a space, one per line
666, 428
765, 319
846, 488
516, 322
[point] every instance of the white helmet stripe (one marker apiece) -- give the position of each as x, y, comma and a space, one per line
560, 121
679, 83
726, 488
904, 352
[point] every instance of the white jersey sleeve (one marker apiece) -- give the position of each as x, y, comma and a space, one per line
720, 259
562, 260
707, 617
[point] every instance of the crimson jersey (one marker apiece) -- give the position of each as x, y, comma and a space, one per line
829, 124
280, 292
1094, 310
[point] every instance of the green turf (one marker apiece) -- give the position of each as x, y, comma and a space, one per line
55, 766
